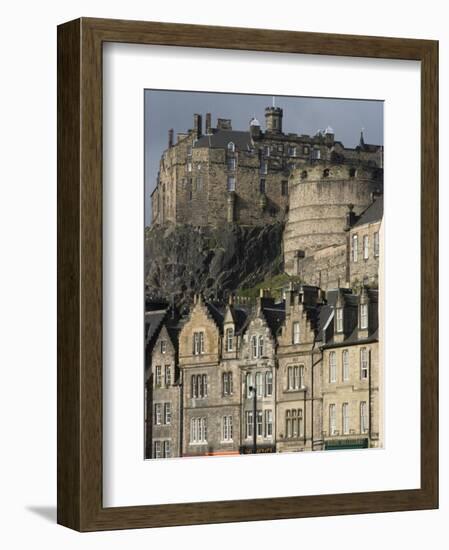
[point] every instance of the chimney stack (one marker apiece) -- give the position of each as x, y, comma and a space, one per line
208, 123
170, 137
197, 125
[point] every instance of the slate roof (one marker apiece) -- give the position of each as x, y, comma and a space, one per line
221, 138
153, 322
374, 213
275, 317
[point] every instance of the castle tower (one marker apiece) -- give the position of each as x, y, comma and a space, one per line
273, 120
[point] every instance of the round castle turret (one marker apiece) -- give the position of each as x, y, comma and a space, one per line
319, 200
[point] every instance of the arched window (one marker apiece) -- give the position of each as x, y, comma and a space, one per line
231, 147
304, 174
326, 173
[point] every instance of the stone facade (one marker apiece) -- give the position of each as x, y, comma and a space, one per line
256, 377
246, 177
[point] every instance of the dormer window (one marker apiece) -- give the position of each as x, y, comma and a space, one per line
364, 316
231, 147
339, 319
229, 339
198, 343
163, 346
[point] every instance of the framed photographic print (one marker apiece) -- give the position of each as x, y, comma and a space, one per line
247, 290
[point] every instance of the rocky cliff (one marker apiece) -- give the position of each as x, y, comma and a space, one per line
181, 260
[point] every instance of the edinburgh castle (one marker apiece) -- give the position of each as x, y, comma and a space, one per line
262, 324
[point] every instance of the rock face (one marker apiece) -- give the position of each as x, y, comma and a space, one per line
181, 260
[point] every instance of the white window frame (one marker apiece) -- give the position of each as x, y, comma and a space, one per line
249, 424
229, 339
363, 316
231, 164
376, 244
345, 365
231, 147
167, 413
301, 370
339, 319
167, 375
227, 428
261, 343
163, 346
230, 185
345, 418
249, 383
355, 246
259, 384
268, 423
365, 247
167, 448
364, 363
158, 375
198, 430
254, 347
296, 338
259, 423
268, 383
364, 424
158, 414
157, 449
332, 367
332, 419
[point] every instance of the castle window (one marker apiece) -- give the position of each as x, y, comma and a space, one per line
266, 150
229, 339
198, 388
363, 364
249, 384
345, 417
167, 449
261, 343
292, 151
365, 247
167, 375
332, 367
259, 423
326, 173
332, 419
158, 376
376, 244
268, 383
158, 414
231, 147
295, 332
231, 163
316, 154
198, 430
339, 316
231, 183
304, 174
227, 428
345, 361
157, 450
249, 424
264, 167
198, 343
254, 346
262, 185
284, 187
259, 384
354, 248
189, 166
268, 428
363, 417
352, 172
280, 148
167, 413
364, 316
227, 383
305, 150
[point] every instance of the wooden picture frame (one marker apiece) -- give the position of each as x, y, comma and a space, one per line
80, 351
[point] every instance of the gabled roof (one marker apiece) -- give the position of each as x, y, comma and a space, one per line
374, 213
153, 323
221, 138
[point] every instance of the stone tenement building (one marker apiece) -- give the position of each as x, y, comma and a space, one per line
301, 374
255, 176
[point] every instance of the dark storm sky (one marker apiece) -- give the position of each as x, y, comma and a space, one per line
302, 115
